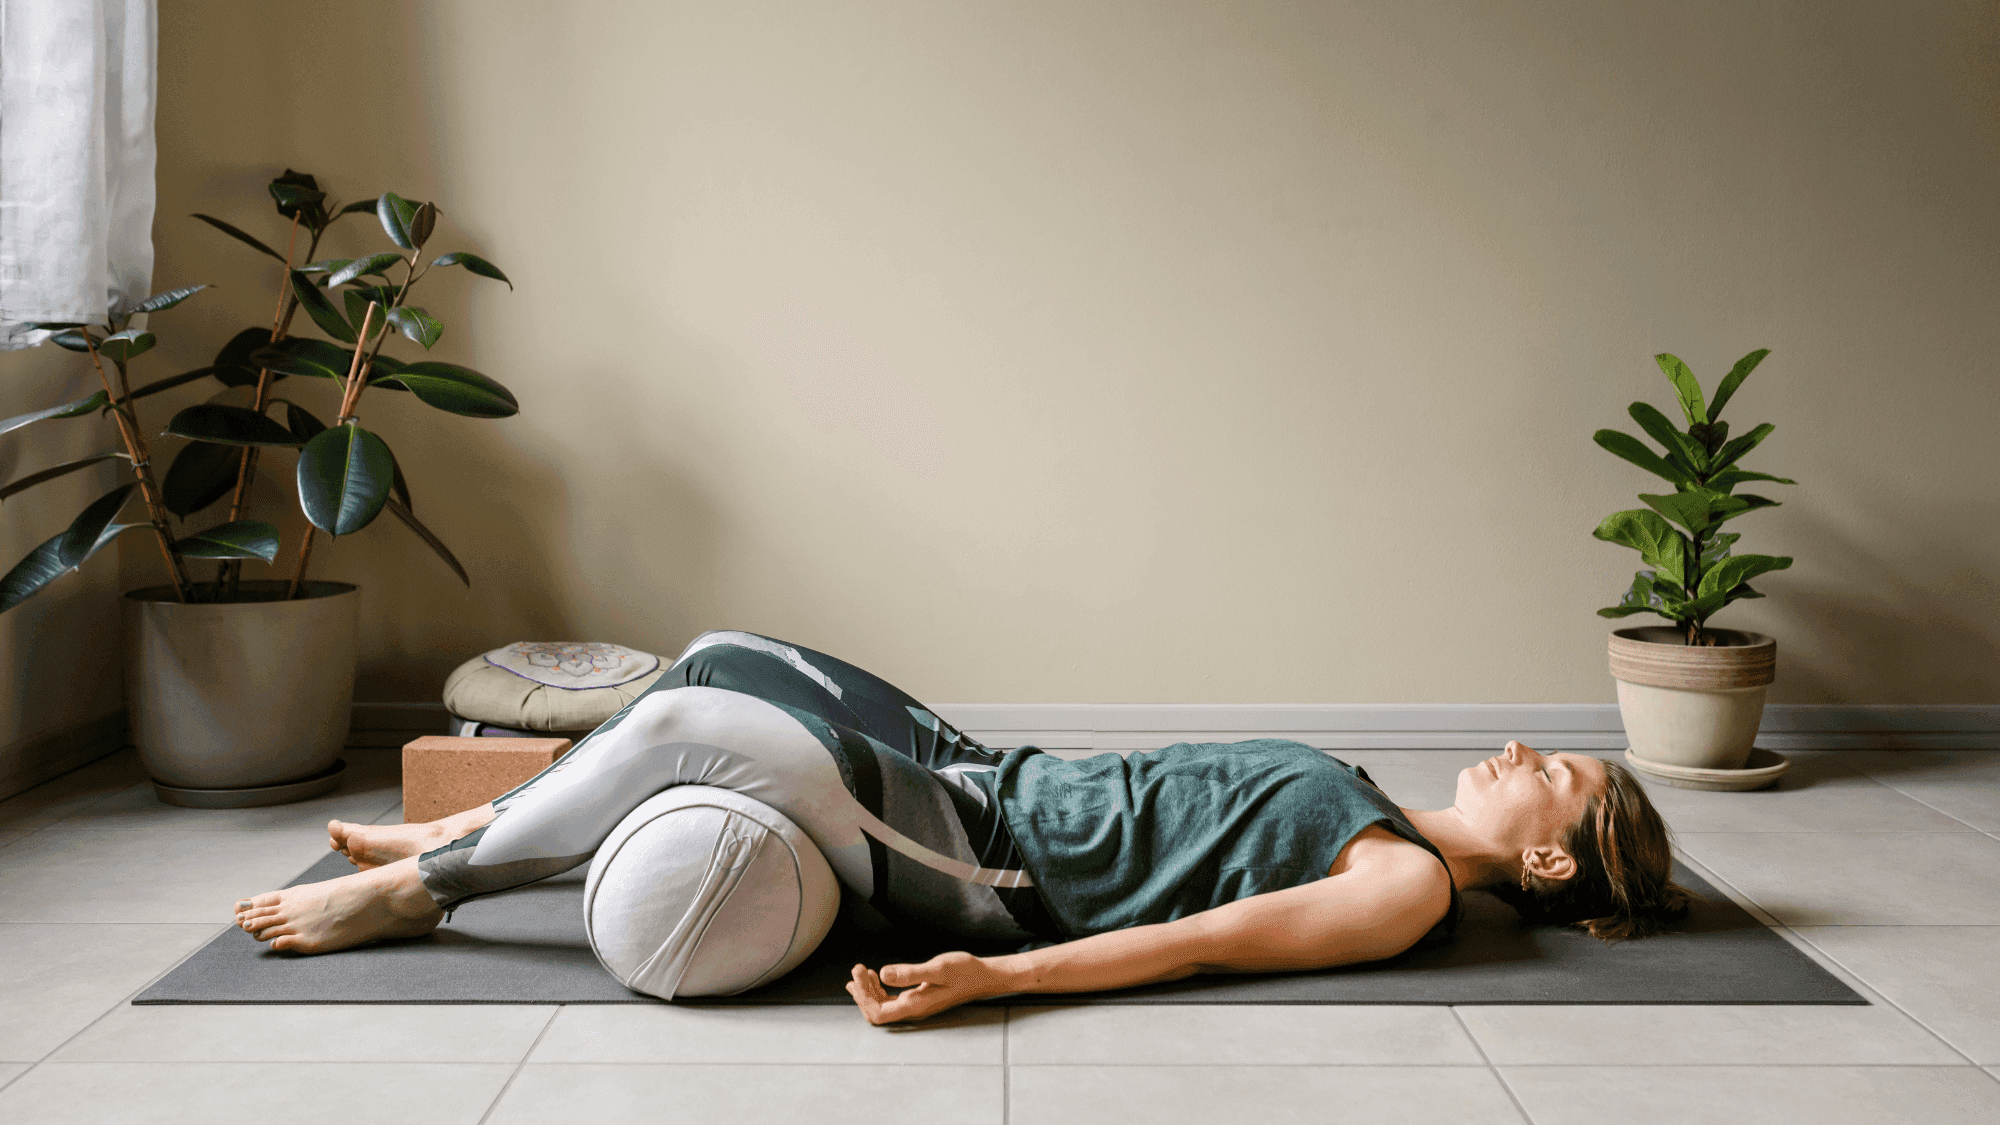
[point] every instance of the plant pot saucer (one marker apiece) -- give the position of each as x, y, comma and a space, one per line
1761, 771
256, 796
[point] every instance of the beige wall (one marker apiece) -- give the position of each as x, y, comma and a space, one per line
59, 678
1143, 352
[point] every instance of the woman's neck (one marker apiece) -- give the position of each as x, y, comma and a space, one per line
1473, 860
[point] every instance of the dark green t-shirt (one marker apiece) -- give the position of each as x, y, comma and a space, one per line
1125, 841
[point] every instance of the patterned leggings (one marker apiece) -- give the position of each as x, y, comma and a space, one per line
901, 804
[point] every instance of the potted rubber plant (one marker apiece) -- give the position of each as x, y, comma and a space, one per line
239, 689
1692, 696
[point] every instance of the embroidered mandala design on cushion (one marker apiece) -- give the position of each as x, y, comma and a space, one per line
578, 658
573, 665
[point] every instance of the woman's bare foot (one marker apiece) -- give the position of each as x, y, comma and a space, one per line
385, 902
369, 846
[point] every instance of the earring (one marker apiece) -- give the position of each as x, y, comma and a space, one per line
1524, 881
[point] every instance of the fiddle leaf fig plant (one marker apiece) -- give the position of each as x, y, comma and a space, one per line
1679, 534
345, 476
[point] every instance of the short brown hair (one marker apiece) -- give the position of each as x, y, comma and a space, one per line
1623, 886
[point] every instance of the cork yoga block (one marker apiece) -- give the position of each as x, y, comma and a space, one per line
442, 776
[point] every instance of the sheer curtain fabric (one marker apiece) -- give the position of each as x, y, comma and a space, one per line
76, 160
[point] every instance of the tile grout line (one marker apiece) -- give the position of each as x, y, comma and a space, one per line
101, 1016
516, 1072
1786, 929
1924, 803
1907, 1014
1490, 1068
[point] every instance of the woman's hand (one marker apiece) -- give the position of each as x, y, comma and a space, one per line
943, 982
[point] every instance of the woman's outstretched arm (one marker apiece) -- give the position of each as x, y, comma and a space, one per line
1376, 908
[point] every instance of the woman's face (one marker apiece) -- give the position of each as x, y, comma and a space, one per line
1520, 799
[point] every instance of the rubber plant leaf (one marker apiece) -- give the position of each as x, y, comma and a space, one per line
71, 341
325, 265
234, 365
81, 539
169, 299
126, 346
244, 539
399, 488
75, 409
474, 264
301, 422
344, 478
294, 190
396, 213
200, 474
417, 324
458, 390
239, 236
373, 264
402, 512
1635, 451
320, 309
14, 487
1726, 390
422, 223
170, 382
228, 425
357, 302
358, 206
1685, 387
44, 564
1681, 450
320, 359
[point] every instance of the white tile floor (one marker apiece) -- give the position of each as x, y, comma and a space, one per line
1885, 867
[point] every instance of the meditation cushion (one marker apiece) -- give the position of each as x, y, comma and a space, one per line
547, 687
705, 892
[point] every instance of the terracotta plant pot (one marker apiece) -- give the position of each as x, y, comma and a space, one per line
1690, 711
239, 704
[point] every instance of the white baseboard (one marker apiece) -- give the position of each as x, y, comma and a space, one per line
34, 760
1363, 726
1445, 726
390, 725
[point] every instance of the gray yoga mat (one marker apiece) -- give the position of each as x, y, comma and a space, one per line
528, 947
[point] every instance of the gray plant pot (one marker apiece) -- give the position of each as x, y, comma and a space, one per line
239, 704
1691, 714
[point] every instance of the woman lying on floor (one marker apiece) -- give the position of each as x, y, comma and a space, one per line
1251, 857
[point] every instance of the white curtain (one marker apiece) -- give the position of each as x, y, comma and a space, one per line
76, 160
